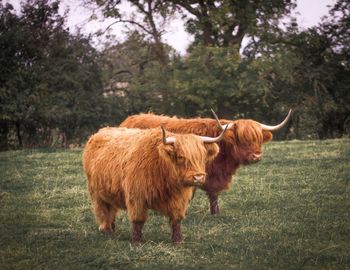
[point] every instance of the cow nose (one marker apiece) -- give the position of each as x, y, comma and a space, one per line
199, 178
256, 157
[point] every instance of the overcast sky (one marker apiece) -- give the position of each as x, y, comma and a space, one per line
308, 13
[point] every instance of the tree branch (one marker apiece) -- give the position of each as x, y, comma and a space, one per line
130, 22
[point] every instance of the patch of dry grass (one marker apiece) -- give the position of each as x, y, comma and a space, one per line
290, 211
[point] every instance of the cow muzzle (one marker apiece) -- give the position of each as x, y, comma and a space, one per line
255, 158
199, 179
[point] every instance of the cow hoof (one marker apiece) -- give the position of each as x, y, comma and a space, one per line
214, 213
214, 209
106, 231
178, 243
136, 243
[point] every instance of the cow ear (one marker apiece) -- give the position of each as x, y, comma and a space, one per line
212, 150
166, 151
234, 129
267, 136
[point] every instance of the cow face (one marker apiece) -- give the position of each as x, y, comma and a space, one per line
247, 138
187, 158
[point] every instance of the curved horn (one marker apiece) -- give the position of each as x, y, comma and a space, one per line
222, 127
215, 139
277, 127
216, 118
170, 140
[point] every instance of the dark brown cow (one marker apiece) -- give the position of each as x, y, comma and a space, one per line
242, 144
137, 170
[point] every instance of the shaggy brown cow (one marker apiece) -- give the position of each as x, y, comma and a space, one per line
241, 145
138, 169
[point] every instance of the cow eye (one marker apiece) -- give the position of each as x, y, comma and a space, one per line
181, 159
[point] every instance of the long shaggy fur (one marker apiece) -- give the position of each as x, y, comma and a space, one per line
240, 143
132, 169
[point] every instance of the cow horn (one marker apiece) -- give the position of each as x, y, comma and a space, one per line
170, 140
277, 127
216, 139
222, 127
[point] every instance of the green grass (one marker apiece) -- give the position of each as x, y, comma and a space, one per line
290, 211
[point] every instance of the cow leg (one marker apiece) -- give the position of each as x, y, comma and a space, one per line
178, 213
137, 215
176, 232
112, 217
214, 204
137, 232
103, 215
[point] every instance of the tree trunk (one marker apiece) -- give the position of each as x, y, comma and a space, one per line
296, 122
4, 130
65, 142
18, 133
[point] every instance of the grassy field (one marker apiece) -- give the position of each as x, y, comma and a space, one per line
290, 211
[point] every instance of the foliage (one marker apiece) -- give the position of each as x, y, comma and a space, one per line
317, 86
226, 23
54, 82
149, 17
290, 211
134, 76
280, 69
215, 77
212, 23
56, 89
320, 79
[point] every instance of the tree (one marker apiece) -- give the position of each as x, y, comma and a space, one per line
309, 71
53, 81
10, 43
150, 18
226, 23
335, 29
134, 77
213, 23
72, 79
